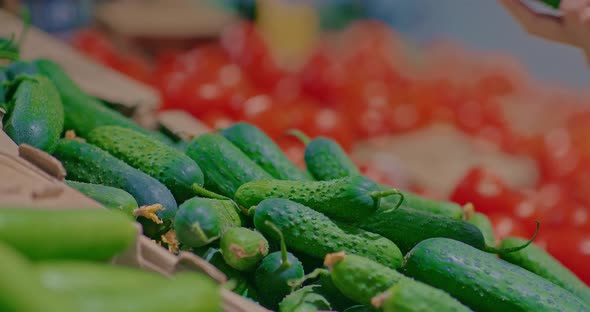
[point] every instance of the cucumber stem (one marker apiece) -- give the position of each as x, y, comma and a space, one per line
206, 193
284, 259
468, 211
314, 274
299, 135
377, 195
495, 250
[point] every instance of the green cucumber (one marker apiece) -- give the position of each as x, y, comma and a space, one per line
225, 166
407, 227
35, 114
409, 295
20, 290
242, 248
347, 199
200, 221
482, 222
310, 232
275, 273
414, 201
238, 280
360, 278
327, 289
305, 299
110, 197
325, 159
83, 234
482, 281
263, 151
543, 264
19, 67
83, 113
87, 163
176, 171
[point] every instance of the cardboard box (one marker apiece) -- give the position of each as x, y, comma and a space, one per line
93, 78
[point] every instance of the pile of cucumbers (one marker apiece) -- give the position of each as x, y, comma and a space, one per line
324, 238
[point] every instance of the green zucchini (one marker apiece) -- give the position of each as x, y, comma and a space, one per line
304, 300
87, 163
200, 221
482, 222
110, 197
543, 264
35, 114
482, 281
242, 248
408, 295
225, 166
83, 234
176, 171
263, 151
310, 232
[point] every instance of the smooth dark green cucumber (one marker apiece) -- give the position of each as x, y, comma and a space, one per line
409, 295
87, 163
347, 199
110, 197
200, 221
225, 166
305, 299
35, 114
360, 278
83, 113
263, 151
482, 222
175, 170
242, 248
543, 264
310, 232
482, 281
83, 234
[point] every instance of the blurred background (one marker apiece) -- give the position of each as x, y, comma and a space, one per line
452, 99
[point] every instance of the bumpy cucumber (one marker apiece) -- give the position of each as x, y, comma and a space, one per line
409, 295
263, 151
20, 289
360, 278
83, 113
414, 201
543, 264
87, 163
35, 114
482, 281
242, 248
482, 222
43, 234
305, 299
110, 197
200, 221
346, 199
176, 171
312, 233
225, 166
407, 227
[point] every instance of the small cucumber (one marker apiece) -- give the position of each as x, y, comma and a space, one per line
312, 233
110, 197
237, 279
409, 295
414, 201
327, 289
20, 290
225, 166
242, 248
305, 299
347, 199
35, 113
482, 222
325, 159
263, 151
83, 234
275, 273
543, 264
87, 163
176, 171
482, 281
200, 221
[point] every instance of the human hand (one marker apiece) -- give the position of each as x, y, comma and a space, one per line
572, 27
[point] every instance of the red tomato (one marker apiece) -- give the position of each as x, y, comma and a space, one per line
324, 77
330, 123
505, 225
216, 119
570, 246
134, 67
95, 45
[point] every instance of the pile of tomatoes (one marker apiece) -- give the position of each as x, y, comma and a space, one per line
363, 82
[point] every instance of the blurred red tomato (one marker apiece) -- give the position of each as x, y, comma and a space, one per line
506, 225
95, 45
216, 119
